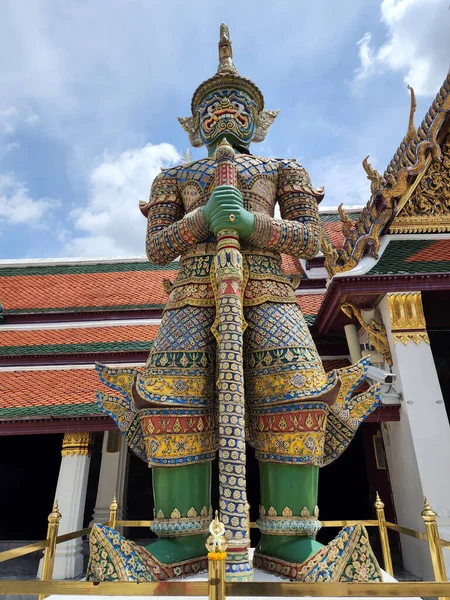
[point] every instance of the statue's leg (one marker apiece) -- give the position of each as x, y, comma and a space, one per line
167, 416
300, 419
282, 370
186, 489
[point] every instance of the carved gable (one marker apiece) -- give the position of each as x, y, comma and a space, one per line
427, 209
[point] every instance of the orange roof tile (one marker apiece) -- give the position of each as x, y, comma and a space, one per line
310, 303
84, 290
82, 335
334, 232
438, 251
291, 265
53, 388
48, 388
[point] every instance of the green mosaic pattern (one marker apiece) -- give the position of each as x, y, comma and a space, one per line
60, 410
96, 347
71, 309
83, 268
393, 260
310, 319
354, 216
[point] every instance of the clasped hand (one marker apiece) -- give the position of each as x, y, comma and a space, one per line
226, 200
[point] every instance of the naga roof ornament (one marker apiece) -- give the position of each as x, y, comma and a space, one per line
227, 76
391, 191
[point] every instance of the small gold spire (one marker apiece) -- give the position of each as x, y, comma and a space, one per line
411, 127
114, 505
378, 502
428, 513
55, 515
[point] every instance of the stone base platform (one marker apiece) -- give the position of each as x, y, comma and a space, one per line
259, 576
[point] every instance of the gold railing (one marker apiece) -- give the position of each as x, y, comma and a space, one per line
215, 588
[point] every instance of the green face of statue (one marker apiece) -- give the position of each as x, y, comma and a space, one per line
227, 112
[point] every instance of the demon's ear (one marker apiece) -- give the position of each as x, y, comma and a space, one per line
263, 121
190, 125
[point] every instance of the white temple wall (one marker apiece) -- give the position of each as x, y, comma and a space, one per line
417, 447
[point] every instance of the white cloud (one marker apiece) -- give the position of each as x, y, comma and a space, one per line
344, 180
418, 44
18, 207
11, 117
111, 222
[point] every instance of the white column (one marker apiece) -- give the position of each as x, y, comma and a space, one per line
113, 476
418, 446
71, 495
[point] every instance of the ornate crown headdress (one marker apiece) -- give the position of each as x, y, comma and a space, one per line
227, 76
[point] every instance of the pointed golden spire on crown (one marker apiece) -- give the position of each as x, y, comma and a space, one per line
225, 51
226, 75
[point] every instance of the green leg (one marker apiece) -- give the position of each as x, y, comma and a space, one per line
294, 487
181, 488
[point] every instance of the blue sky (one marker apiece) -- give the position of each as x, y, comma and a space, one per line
90, 92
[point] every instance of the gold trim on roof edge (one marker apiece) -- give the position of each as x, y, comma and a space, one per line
410, 161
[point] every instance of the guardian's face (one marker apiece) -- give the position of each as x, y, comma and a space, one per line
227, 112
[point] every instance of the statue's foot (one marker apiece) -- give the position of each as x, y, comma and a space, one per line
348, 558
177, 549
290, 548
113, 558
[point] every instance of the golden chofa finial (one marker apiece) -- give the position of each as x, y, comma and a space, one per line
411, 127
225, 51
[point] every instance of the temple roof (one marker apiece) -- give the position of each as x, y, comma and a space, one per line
84, 287
71, 340
413, 195
414, 256
62, 392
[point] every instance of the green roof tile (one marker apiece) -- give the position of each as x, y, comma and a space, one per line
60, 410
393, 260
86, 268
96, 347
335, 218
71, 309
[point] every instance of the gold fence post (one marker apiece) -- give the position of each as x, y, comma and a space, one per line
384, 536
49, 553
216, 545
437, 560
113, 512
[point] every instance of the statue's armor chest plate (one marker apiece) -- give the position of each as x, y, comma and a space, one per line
256, 177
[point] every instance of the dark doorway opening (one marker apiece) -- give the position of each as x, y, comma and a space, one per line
29, 468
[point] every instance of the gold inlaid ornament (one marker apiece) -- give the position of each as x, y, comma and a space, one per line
175, 514
77, 444
407, 318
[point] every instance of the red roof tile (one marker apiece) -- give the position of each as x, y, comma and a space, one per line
335, 363
438, 251
310, 303
48, 388
82, 335
27, 389
291, 265
334, 232
84, 289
